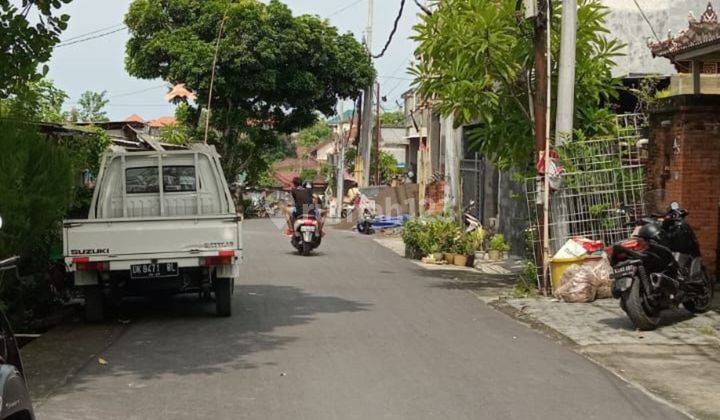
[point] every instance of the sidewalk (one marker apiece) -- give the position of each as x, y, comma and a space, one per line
679, 362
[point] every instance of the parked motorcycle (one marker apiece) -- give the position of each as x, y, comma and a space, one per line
471, 222
306, 235
16, 403
660, 267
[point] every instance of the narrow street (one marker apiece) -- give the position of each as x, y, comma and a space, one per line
353, 332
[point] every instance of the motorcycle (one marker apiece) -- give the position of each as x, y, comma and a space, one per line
306, 234
471, 222
659, 267
16, 403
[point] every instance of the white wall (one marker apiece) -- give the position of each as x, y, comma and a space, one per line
626, 24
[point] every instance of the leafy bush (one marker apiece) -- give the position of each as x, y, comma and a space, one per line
497, 243
36, 188
429, 235
477, 239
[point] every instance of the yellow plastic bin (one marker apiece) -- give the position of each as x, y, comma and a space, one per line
558, 266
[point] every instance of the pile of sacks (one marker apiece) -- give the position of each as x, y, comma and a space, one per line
585, 282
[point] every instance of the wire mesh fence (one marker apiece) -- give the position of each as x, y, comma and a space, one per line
600, 175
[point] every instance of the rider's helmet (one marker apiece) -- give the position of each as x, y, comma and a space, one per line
650, 231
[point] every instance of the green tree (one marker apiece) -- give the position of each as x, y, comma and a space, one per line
38, 101
275, 71
478, 60
92, 106
388, 164
393, 118
29, 33
313, 135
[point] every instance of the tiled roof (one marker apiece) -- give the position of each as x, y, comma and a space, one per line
699, 34
134, 118
162, 122
180, 92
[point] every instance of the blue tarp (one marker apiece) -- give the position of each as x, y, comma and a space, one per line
386, 222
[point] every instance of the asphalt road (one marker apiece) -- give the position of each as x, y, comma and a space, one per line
353, 332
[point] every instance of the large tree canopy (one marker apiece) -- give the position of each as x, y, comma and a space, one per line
25, 44
477, 64
271, 65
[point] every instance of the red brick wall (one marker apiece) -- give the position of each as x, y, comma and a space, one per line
435, 198
684, 165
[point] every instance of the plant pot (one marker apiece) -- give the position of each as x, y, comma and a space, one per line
460, 260
449, 257
495, 255
438, 256
480, 256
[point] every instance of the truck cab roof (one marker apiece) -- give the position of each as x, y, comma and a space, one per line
160, 180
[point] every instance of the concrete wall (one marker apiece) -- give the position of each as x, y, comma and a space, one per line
627, 24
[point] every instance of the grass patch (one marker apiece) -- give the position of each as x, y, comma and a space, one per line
526, 286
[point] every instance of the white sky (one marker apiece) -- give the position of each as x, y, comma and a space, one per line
99, 64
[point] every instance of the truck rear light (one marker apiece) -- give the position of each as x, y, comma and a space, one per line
91, 266
223, 258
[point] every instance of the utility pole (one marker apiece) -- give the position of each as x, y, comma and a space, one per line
542, 128
566, 81
362, 163
340, 153
378, 133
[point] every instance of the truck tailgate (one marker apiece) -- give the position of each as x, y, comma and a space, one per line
118, 238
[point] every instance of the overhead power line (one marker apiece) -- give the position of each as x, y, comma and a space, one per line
344, 8
392, 33
137, 91
107, 28
642, 12
90, 38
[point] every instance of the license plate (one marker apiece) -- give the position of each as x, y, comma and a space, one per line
153, 270
627, 270
307, 229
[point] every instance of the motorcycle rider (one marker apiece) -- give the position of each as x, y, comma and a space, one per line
302, 200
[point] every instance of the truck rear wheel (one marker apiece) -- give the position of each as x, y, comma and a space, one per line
223, 296
94, 310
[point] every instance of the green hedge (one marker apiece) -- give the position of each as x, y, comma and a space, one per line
36, 190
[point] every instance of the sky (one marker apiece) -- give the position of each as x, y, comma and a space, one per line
98, 64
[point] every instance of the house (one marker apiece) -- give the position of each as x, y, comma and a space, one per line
393, 141
134, 129
684, 146
323, 150
694, 55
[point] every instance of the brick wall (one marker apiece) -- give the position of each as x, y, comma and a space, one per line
435, 198
684, 164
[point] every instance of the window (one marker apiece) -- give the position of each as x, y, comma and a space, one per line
145, 180
179, 179
141, 180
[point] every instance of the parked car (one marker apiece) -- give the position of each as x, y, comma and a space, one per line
15, 403
143, 236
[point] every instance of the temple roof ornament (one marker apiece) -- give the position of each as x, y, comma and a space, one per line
699, 34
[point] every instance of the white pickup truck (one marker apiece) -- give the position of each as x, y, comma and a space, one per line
160, 221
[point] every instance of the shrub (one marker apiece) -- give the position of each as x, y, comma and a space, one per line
428, 235
497, 243
36, 189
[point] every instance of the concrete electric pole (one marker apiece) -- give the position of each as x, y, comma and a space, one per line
340, 159
362, 163
566, 81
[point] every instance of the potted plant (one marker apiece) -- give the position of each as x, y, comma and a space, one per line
498, 246
463, 248
477, 239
